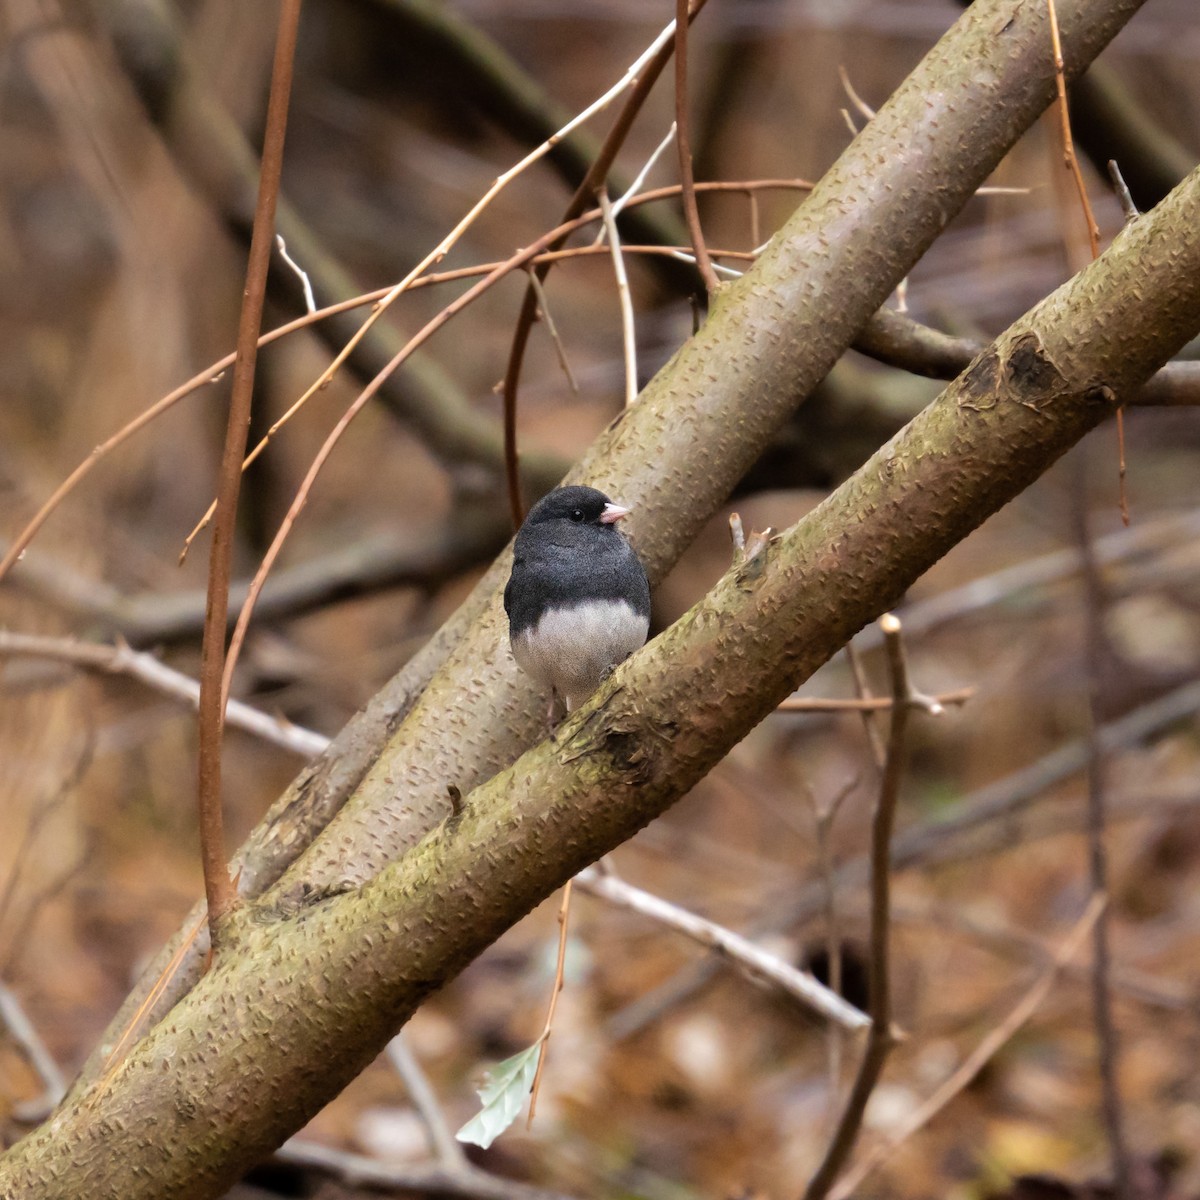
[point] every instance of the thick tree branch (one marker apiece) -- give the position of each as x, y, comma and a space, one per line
894, 338
460, 711
767, 342
318, 982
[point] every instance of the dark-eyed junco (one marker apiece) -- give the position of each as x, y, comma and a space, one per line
578, 600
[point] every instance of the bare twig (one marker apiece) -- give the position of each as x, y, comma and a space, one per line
995, 935
623, 200
145, 668
865, 704
218, 883
1042, 571
552, 329
310, 301
824, 816
944, 839
560, 963
881, 1037
628, 333
976, 1060
631, 80
1095, 652
1071, 162
39, 816
737, 534
1128, 207
649, 70
855, 99
441, 1138
472, 1183
54, 1085
863, 688
1069, 159
752, 959
684, 146
214, 372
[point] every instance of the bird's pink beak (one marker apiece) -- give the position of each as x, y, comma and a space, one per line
612, 514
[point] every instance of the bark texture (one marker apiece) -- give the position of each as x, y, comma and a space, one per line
698, 426
311, 990
460, 711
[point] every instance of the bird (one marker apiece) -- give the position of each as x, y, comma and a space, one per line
578, 600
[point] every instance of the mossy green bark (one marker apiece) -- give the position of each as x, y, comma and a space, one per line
460, 711
310, 990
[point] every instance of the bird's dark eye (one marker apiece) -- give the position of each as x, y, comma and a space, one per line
577, 515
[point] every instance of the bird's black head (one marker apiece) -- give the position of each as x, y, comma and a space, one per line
579, 505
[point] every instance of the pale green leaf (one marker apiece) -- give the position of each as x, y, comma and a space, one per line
505, 1089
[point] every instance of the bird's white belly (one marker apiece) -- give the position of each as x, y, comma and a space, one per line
573, 649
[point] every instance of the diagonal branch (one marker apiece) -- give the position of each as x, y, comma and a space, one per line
881, 1039
238, 1086
818, 283
218, 882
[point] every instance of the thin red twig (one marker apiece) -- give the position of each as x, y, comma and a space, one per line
683, 143
589, 185
564, 913
211, 373
516, 262
218, 883
1071, 162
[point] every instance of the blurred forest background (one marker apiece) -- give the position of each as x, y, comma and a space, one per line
124, 202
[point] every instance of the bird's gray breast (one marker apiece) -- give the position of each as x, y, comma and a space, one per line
573, 649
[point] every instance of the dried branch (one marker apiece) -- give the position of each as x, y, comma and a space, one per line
148, 670
1069, 160
742, 952
550, 469
1095, 652
545, 314
881, 1038
560, 963
218, 883
592, 182
356, 1170
518, 101
20, 1028
628, 332
683, 144
1110, 122
1128, 207
441, 1137
865, 704
639, 180
976, 1060
1093, 230
213, 152
863, 688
